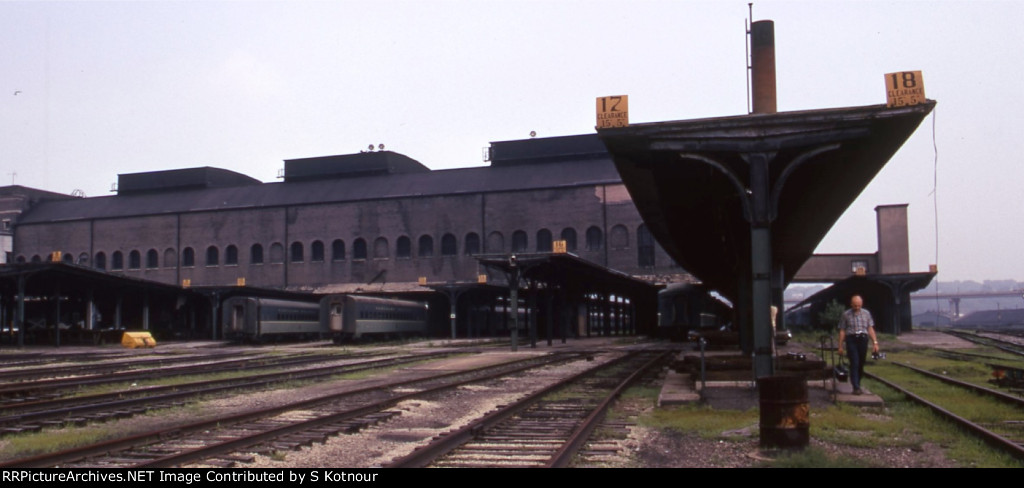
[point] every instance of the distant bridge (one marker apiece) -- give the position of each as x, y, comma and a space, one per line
952, 297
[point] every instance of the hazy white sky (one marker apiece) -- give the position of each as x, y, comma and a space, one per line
93, 89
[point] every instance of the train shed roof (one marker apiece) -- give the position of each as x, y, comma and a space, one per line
377, 179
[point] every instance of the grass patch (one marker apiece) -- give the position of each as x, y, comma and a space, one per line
369, 373
167, 381
362, 375
645, 392
960, 401
704, 421
974, 371
52, 440
816, 458
69, 437
566, 393
853, 426
918, 421
278, 455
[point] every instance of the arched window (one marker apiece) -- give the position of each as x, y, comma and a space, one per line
298, 252
359, 249
116, 260
449, 245
403, 247
170, 258
520, 243
644, 247
188, 257
67, 258
594, 239
212, 256
472, 245
544, 240
134, 260
426, 246
495, 242
256, 254
101, 260
20, 260
338, 250
380, 248
231, 255
83, 259
316, 252
37, 259
152, 259
619, 238
569, 236
276, 253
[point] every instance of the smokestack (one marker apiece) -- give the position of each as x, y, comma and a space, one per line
762, 66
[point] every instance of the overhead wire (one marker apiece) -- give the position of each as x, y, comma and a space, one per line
935, 202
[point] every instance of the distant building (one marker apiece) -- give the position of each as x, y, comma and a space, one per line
14, 201
376, 217
933, 319
992, 319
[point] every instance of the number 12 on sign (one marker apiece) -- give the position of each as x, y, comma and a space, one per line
612, 111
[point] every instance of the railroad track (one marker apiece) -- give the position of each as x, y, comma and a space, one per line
34, 416
13, 394
1005, 346
965, 356
544, 429
97, 365
1007, 437
218, 441
1016, 401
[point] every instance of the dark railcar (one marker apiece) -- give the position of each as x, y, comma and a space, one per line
261, 319
683, 308
355, 316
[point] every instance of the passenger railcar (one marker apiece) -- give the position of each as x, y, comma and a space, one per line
260, 319
684, 307
355, 316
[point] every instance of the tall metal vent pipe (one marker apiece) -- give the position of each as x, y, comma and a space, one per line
762, 66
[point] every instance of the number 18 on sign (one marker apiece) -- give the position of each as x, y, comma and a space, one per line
612, 111
904, 88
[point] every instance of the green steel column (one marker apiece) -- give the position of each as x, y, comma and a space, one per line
19, 320
452, 301
761, 262
513, 306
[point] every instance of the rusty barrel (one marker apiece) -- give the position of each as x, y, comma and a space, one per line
785, 415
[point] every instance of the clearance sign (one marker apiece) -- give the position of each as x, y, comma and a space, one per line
612, 111
904, 88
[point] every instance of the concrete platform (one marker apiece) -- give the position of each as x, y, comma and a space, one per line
933, 339
844, 394
678, 389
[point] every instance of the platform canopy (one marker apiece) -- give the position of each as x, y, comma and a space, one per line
563, 268
702, 185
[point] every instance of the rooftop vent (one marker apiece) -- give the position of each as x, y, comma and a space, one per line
180, 179
350, 165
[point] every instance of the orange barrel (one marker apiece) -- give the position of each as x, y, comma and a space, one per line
785, 416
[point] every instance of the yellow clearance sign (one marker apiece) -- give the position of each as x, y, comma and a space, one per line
904, 89
612, 111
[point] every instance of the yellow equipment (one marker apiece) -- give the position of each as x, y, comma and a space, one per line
133, 340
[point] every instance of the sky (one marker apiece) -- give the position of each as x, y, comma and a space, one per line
94, 89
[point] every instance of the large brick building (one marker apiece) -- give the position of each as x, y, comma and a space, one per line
360, 218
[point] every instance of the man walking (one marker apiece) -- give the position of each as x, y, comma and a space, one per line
855, 328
